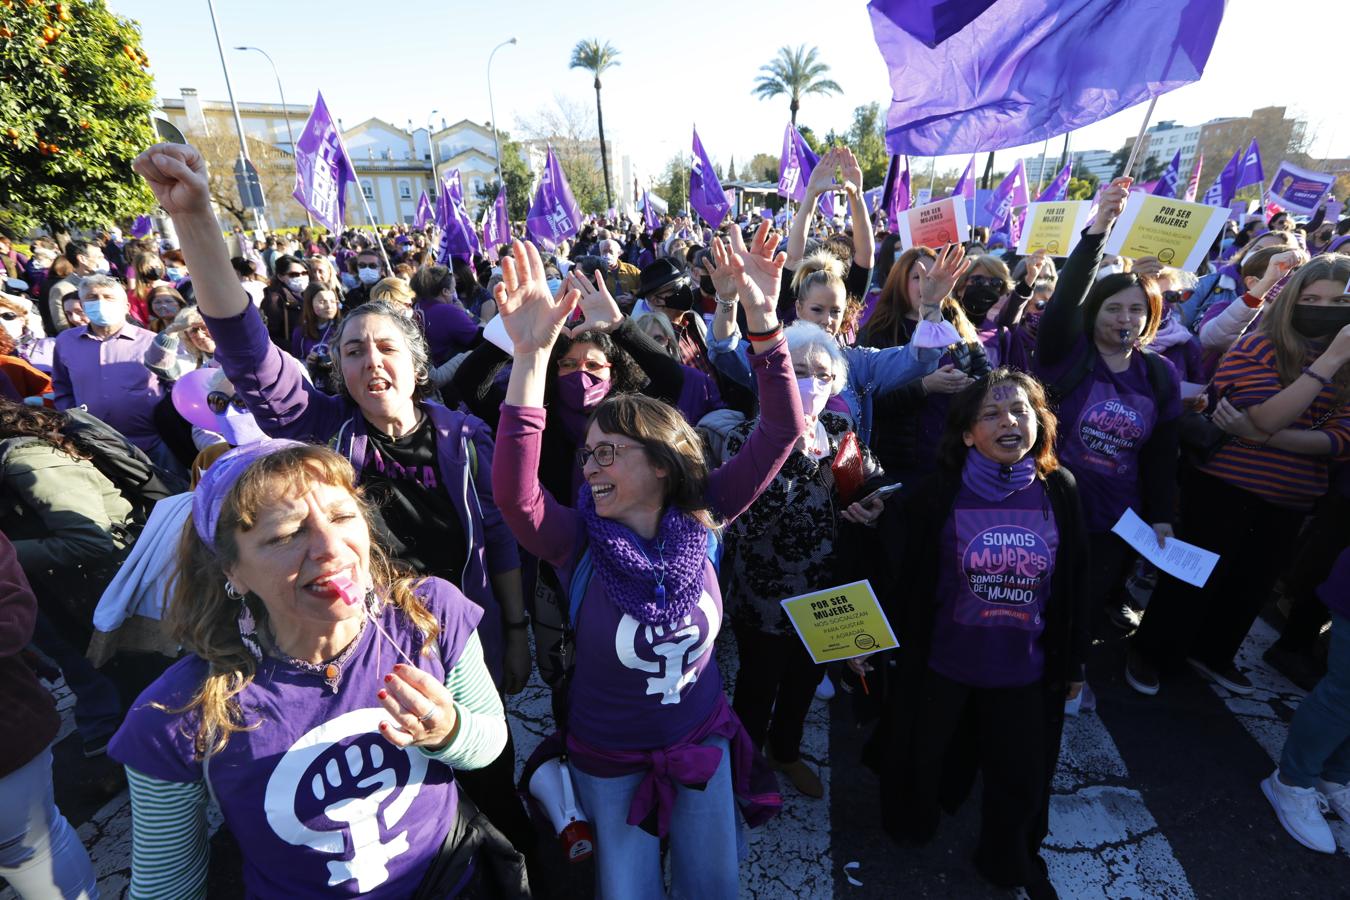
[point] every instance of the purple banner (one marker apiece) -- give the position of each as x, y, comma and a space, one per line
553, 216
1166, 185
1251, 171
1221, 192
896, 189
1057, 191
705, 191
141, 227
965, 185
459, 240
322, 169
425, 214
650, 220
496, 226
1011, 192
1299, 190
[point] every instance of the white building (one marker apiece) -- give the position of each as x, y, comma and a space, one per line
1092, 162
1163, 141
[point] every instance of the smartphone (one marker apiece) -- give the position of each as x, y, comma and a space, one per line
881, 493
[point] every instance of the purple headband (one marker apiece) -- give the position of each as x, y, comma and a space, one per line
210, 493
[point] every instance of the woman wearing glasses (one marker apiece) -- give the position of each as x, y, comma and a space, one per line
650, 736
783, 546
182, 347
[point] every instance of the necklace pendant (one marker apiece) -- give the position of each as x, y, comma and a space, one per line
660, 594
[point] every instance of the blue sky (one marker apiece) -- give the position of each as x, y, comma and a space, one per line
685, 63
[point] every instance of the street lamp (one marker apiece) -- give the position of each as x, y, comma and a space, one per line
285, 113
258, 223
493, 112
431, 142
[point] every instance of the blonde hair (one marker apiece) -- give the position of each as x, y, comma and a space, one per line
1292, 348
661, 322
204, 619
820, 268
392, 290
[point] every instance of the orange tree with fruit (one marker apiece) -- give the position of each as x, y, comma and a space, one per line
75, 103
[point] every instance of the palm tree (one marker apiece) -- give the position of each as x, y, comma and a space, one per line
593, 57
794, 72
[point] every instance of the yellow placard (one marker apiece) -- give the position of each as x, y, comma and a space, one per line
1178, 233
840, 622
1053, 227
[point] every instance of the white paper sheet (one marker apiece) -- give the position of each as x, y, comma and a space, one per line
1179, 559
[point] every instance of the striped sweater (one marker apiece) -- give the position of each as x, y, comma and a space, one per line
1247, 377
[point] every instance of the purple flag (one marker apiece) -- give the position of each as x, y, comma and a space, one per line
965, 185
459, 240
650, 220
141, 227
1251, 171
809, 159
1057, 191
993, 85
553, 216
934, 22
1167, 183
1010, 193
322, 169
896, 190
425, 213
496, 226
1221, 192
791, 178
705, 191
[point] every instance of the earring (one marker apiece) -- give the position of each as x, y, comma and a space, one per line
231, 591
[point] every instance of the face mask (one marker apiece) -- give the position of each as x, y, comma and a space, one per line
1109, 269
368, 276
349, 280
681, 299
977, 300
298, 283
554, 285
582, 391
1320, 321
705, 284
102, 269
13, 327
101, 314
173, 273
815, 393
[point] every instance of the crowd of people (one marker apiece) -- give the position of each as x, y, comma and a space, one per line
292, 516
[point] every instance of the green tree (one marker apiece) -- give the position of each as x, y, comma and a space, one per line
674, 184
866, 137
762, 167
1083, 188
518, 180
794, 72
594, 58
75, 103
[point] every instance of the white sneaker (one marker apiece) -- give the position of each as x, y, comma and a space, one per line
825, 690
1338, 798
1300, 812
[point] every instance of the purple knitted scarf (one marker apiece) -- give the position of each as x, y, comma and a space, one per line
657, 582
993, 481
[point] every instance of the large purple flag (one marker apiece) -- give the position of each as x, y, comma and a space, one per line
1023, 71
1057, 191
496, 226
1221, 192
553, 216
895, 196
459, 240
1010, 193
650, 220
425, 213
1251, 171
965, 185
934, 22
705, 191
322, 169
1170, 179
809, 160
791, 178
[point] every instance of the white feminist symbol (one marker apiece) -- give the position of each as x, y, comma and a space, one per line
673, 644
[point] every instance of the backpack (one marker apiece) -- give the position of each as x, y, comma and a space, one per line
140, 482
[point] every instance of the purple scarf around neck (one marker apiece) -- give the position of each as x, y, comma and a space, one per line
993, 481
656, 586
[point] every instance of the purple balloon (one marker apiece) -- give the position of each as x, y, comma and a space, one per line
189, 398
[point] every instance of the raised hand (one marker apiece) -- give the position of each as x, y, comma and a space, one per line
851, 171
1280, 265
942, 275
761, 272
822, 176
598, 309
1111, 205
1036, 265
724, 281
177, 175
533, 317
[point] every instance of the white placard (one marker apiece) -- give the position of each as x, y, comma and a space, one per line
1179, 559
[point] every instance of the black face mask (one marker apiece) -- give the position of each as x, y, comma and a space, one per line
680, 299
977, 300
705, 284
1321, 321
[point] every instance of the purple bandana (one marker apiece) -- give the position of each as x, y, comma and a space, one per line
217, 480
993, 481
658, 586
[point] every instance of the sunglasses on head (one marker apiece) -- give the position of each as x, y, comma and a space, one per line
219, 401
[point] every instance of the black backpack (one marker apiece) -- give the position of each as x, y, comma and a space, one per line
136, 477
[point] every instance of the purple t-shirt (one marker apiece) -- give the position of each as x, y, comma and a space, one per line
993, 584
1103, 424
636, 687
320, 803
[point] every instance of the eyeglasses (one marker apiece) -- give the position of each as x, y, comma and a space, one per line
1176, 296
822, 377
984, 281
219, 401
198, 329
603, 453
295, 273
590, 365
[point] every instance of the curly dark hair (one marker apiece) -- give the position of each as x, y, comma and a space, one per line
21, 420
627, 375
965, 408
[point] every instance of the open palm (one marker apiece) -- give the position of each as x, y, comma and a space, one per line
177, 175
598, 309
533, 318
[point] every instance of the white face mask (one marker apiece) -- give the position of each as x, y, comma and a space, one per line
368, 276
298, 283
815, 394
13, 327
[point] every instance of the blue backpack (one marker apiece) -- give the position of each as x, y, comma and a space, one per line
585, 568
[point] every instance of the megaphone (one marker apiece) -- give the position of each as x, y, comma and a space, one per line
551, 785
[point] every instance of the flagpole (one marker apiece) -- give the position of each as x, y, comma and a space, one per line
1139, 141
932, 178
1040, 176
370, 217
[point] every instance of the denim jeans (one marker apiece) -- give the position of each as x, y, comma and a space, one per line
98, 704
706, 842
1318, 745
40, 854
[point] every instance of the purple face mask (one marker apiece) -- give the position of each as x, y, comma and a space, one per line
582, 391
